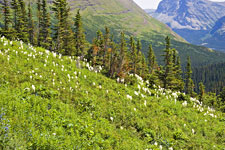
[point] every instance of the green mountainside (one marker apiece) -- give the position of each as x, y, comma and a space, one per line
125, 15
49, 101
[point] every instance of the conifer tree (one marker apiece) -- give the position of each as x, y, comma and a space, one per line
63, 32
178, 75
189, 82
22, 29
100, 48
44, 25
106, 55
79, 36
7, 19
15, 6
202, 91
151, 59
133, 53
122, 60
169, 77
31, 26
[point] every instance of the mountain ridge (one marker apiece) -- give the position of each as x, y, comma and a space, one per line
193, 20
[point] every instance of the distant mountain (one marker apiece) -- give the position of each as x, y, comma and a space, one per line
194, 20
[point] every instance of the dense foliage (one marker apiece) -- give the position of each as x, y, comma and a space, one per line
50, 101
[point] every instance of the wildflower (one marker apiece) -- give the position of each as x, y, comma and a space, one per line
160, 147
31, 77
193, 131
129, 97
118, 80
170, 148
184, 125
155, 143
93, 83
145, 103
85, 76
135, 109
107, 91
184, 103
54, 134
33, 87
100, 87
136, 93
111, 118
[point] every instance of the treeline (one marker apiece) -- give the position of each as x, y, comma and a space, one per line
213, 77
118, 60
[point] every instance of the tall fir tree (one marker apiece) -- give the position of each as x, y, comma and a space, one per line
122, 60
22, 29
79, 35
15, 5
133, 55
177, 69
64, 41
168, 81
189, 87
44, 36
106, 55
202, 92
31, 29
7, 19
151, 60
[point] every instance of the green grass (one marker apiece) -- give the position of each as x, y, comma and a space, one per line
46, 102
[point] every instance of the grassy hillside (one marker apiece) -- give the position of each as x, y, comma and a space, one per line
52, 102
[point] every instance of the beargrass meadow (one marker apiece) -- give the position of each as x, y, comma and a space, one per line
59, 90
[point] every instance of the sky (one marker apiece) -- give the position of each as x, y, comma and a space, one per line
152, 4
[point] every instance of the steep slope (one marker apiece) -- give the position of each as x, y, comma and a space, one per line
52, 102
216, 36
191, 19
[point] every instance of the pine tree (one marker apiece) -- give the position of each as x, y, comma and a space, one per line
169, 77
122, 60
7, 19
15, 6
189, 82
151, 59
202, 91
31, 26
22, 29
100, 48
133, 55
79, 36
107, 41
178, 71
44, 25
63, 32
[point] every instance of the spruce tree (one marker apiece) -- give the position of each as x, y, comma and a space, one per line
202, 91
133, 53
63, 33
122, 60
177, 69
189, 82
106, 55
44, 25
22, 29
7, 19
15, 6
169, 76
31, 26
151, 59
79, 36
